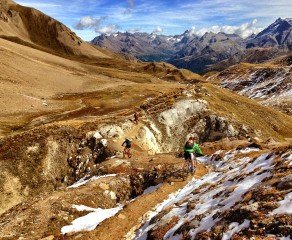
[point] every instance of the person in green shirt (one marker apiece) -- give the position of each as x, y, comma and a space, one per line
191, 150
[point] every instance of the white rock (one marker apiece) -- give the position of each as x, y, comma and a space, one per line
110, 131
104, 142
97, 135
110, 194
182, 111
147, 140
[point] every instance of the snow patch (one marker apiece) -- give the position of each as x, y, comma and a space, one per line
83, 180
82, 208
285, 205
91, 220
235, 228
151, 189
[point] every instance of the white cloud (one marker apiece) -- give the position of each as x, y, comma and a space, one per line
243, 30
157, 30
89, 22
39, 5
109, 29
133, 30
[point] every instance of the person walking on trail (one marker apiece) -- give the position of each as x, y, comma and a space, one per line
127, 144
136, 117
191, 150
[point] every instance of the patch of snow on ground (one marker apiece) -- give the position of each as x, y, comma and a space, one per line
82, 181
235, 228
248, 150
264, 162
285, 238
81, 208
151, 189
213, 194
175, 197
285, 205
91, 220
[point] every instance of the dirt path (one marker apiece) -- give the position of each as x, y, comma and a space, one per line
131, 216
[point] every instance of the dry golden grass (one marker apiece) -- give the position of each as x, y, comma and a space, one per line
38, 87
268, 121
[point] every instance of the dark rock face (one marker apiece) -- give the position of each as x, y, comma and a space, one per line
206, 53
147, 47
278, 34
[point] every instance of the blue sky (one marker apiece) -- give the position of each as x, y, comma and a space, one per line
89, 18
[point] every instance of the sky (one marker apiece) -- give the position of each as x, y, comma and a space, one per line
89, 18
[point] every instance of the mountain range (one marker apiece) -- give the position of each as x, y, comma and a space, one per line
212, 51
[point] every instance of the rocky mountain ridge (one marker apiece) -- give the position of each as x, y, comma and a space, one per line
212, 51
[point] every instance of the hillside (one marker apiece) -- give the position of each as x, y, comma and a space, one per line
33, 28
269, 82
97, 96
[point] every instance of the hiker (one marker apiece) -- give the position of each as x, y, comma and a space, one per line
136, 117
127, 144
191, 150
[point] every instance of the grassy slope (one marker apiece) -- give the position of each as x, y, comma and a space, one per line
29, 77
270, 122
